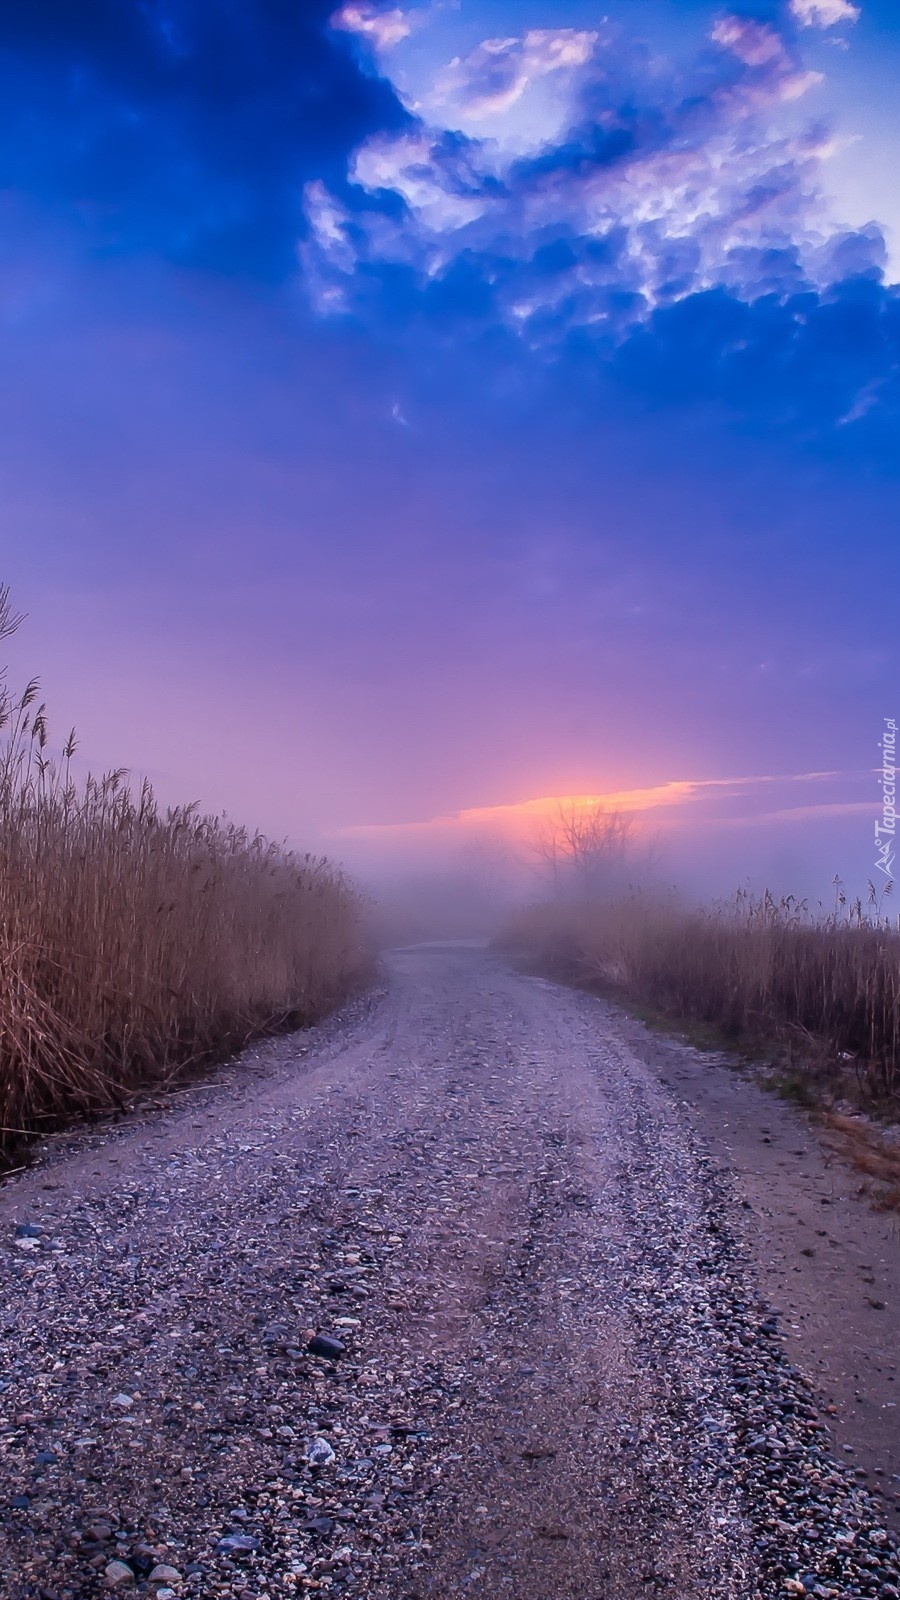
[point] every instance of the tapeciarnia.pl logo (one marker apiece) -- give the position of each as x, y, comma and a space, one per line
887, 827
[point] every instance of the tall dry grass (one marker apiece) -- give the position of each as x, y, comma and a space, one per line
135, 940
756, 969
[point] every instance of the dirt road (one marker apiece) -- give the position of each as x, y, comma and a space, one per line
560, 1377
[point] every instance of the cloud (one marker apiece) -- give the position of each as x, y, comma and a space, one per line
754, 43
675, 208
676, 227
675, 799
658, 189
383, 29
433, 175
497, 73
758, 45
183, 130
823, 13
519, 817
824, 813
791, 364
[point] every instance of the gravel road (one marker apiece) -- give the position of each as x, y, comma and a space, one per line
558, 1379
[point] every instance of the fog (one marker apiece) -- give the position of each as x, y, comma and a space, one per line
442, 890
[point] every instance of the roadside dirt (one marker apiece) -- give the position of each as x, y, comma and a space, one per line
822, 1254
526, 1220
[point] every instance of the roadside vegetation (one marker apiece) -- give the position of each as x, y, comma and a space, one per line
820, 990
754, 970
136, 941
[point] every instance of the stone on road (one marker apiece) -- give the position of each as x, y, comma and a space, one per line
447, 1297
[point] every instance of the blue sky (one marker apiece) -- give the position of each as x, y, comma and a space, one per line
414, 411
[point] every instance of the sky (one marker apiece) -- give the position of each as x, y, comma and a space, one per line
410, 414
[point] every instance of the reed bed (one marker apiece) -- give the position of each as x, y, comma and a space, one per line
135, 941
756, 969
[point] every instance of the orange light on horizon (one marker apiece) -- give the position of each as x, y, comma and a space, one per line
514, 818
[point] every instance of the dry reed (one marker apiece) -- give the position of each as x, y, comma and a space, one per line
756, 969
135, 940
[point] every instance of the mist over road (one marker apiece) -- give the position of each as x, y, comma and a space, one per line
558, 1378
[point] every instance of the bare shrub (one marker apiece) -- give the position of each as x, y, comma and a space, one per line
132, 940
585, 849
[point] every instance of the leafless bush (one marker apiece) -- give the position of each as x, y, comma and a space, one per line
584, 849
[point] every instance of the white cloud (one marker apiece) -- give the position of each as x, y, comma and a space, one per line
755, 44
796, 84
497, 73
695, 211
383, 29
650, 189
328, 255
760, 47
440, 196
823, 13
328, 224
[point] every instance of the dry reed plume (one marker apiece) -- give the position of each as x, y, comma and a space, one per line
134, 941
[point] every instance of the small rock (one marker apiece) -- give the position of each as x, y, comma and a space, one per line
123, 1401
98, 1532
319, 1453
28, 1230
118, 1575
164, 1574
321, 1345
234, 1542
318, 1525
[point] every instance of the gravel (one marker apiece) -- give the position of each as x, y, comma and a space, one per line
447, 1297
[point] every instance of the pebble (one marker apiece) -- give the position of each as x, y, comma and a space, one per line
321, 1345
319, 1453
118, 1575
